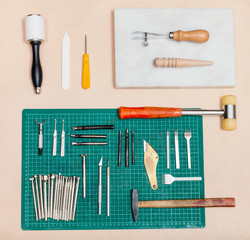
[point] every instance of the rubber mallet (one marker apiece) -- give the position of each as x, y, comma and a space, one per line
228, 112
179, 203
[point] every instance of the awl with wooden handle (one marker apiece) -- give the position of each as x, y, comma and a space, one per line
198, 36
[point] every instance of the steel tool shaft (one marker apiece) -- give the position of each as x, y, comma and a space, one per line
93, 127
34, 197
75, 198
119, 147
133, 147
88, 143
63, 140
87, 136
38, 198
108, 189
41, 195
100, 188
83, 175
45, 179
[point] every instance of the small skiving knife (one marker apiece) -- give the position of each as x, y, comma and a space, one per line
150, 161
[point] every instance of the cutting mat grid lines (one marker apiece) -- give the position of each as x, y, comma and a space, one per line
122, 179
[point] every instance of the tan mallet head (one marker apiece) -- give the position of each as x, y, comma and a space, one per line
229, 117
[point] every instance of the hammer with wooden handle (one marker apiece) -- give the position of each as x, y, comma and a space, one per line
228, 112
180, 203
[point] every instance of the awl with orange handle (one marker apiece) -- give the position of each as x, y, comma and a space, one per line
228, 112
198, 36
85, 68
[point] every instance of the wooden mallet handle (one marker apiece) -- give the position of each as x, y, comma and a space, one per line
186, 203
149, 112
198, 36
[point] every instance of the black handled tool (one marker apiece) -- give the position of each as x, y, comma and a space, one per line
35, 34
126, 148
93, 127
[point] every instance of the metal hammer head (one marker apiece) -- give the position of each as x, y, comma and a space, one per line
229, 117
134, 203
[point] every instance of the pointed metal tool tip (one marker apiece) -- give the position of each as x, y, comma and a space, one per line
100, 163
145, 145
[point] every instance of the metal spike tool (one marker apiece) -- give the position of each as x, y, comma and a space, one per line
100, 188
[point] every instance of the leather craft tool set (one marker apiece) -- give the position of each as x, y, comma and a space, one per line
113, 162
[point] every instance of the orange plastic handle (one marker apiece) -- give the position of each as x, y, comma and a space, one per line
149, 112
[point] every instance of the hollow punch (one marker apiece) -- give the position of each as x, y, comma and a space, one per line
61, 187
49, 206
75, 198
88, 143
93, 127
55, 197
34, 197
45, 179
100, 188
67, 199
41, 195
37, 198
52, 177
108, 189
72, 197
87, 136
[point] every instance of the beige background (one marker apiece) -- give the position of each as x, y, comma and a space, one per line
227, 164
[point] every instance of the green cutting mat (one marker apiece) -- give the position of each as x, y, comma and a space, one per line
122, 179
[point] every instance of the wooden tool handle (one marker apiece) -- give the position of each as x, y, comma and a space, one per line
179, 62
185, 203
198, 36
149, 112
